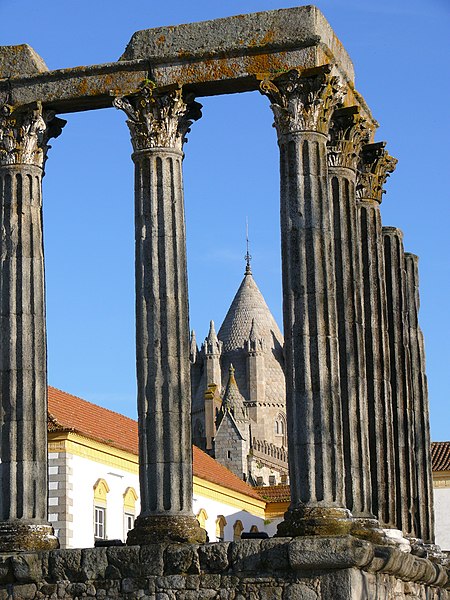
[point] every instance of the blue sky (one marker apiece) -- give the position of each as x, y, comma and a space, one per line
400, 54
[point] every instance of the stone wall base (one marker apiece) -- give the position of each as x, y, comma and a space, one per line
314, 568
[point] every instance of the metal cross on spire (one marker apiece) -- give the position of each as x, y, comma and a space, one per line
248, 258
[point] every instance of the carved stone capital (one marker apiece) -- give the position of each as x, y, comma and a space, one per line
158, 118
375, 166
24, 135
348, 132
303, 101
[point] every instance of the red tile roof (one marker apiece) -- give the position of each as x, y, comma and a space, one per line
440, 456
70, 413
275, 493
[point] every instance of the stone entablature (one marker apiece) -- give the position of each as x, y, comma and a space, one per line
342, 568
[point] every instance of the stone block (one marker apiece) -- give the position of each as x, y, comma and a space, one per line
152, 559
213, 557
6, 574
93, 563
125, 559
27, 567
301, 591
338, 552
181, 558
275, 554
20, 61
65, 565
25, 592
245, 555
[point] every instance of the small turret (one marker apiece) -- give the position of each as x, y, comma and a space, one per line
255, 347
233, 401
212, 349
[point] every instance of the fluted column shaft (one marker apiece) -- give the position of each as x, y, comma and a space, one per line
23, 352
402, 415
374, 167
158, 123
302, 106
419, 390
348, 131
162, 334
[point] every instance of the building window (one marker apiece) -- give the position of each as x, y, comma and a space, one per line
99, 522
101, 490
129, 522
202, 517
238, 528
220, 528
129, 510
280, 428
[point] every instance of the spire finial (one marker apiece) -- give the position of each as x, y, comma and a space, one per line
248, 258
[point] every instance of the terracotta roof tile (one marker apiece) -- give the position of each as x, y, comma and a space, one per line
440, 456
275, 493
71, 413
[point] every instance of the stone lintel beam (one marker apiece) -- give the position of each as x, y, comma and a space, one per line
213, 57
75, 89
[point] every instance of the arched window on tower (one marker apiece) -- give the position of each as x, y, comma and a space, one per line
280, 429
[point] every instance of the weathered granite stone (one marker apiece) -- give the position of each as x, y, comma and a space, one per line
245, 555
20, 60
159, 122
181, 559
93, 563
340, 552
275, 553
373, 169
23, 371
213, 557
302, 104
419, 391
126, 560
402, 413
348, 132
151, 558
65, 564
269, 31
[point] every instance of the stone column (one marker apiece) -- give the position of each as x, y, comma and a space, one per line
158, 122
402, 414
374, 167
302, 105
347, 134
23, 352
419, 389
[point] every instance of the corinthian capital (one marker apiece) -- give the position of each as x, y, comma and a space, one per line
24, 135
159, 119
375, 166
348, 132
303, 101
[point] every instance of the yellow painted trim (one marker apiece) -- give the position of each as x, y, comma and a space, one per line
129, 499
441, 479
276, 509
101, 489
227, 496
78, 445
202, 517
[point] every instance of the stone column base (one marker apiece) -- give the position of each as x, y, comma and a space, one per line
371, 530
162, 528
17, 536
316, 520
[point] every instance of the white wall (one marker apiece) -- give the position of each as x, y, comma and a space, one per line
442, 516
86, 472
214, 508
85, 475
